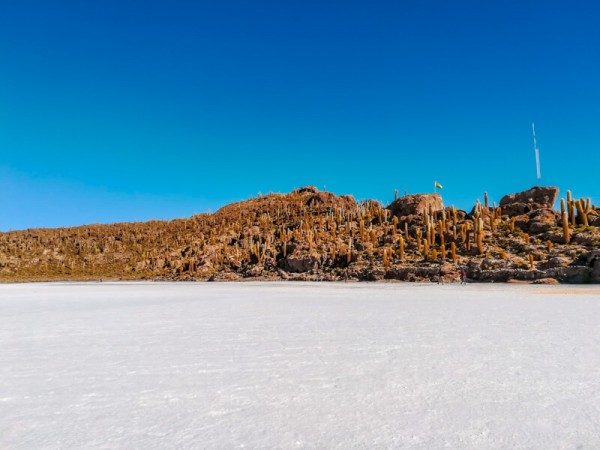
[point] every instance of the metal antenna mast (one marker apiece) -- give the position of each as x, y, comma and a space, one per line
537, 155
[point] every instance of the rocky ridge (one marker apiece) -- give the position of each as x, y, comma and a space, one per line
313, 235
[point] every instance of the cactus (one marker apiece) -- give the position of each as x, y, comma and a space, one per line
485, 199
453, 250
526, 237
581, 211
571, 208
401, 249
531, 265
386, 262
565, 226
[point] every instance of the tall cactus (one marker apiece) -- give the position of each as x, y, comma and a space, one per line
565, 226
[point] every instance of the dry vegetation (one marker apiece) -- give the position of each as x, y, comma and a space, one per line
313, 235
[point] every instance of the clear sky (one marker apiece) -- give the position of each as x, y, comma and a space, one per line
141, 109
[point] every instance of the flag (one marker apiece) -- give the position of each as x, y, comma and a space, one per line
437, 185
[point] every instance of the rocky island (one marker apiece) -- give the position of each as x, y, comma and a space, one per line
319, 236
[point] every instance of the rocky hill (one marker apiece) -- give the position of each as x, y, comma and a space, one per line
312, 235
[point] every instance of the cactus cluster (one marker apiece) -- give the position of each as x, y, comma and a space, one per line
331, 235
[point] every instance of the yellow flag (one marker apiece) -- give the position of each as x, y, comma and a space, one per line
437, 185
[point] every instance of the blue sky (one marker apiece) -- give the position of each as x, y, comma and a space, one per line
122, 111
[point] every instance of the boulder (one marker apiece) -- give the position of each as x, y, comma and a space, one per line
300, 263
320, 198
490, 264
535, 198
306, 190
552, 263
515, 209
416, 204
546, 281
592, 261
542, 220
587, 238
224, 276
415, 273
571, 274
329, 200
255, 271
349, 199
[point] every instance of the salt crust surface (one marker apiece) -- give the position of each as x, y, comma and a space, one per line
290, 365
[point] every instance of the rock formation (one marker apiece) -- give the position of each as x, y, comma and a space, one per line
313, 235
416, 204
532, 199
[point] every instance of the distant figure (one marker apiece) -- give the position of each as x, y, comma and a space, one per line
463, 276
441, 276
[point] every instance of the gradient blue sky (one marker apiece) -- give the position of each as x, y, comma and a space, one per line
136, 110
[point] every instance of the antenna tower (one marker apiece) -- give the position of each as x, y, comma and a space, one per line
537, 155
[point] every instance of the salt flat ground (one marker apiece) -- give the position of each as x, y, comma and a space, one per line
286, 365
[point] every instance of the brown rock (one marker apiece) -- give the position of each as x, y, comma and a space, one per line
255, 271
515, 209
329, 200
300, 263
306, 190
587, 238
224, 276
557, 261
490, 264
591, 260
283, 275
541, 220
416, 204
571, 274
535, 198
349, 199
546, 281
